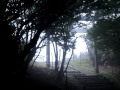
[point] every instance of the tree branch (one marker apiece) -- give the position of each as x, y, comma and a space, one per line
70, 56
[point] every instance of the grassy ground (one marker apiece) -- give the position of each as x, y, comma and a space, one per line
37, 64
107, 72
84, 65
48, 77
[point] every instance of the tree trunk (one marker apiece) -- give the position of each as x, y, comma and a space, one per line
48, 53
22, 56
96, 61
61, 72
69, 60
56, 58
28, 59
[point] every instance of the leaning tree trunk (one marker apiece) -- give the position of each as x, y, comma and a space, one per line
28, 59
61, 72
22, 56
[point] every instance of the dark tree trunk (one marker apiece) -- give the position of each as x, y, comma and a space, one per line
22, 56
28, 59
56, 58
61, 72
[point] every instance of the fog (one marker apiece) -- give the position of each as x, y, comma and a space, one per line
80, 47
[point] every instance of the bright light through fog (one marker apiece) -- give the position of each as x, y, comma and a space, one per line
80, 44
80, 47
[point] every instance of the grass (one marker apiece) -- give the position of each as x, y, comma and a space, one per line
39, 64
111, 76
84, 66
42, 64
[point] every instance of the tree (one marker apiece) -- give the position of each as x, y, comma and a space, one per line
105, 32
19, 17
67, 43
40, 44
106, 35
58, 38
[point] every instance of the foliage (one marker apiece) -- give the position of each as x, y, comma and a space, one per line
64, 38
24, 17
19, 17
106, 34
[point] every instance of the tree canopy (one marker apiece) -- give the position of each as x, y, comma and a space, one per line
19, 17
105, 33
